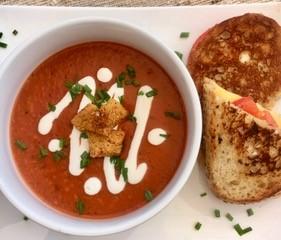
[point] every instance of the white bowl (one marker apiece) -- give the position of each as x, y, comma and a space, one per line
24, 60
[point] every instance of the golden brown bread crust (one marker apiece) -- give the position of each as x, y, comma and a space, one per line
243, 55
242, 155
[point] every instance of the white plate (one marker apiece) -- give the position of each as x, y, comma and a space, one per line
178, 219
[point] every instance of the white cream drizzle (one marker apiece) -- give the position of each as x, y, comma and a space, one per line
142, 111
92, 186
79, 145
54, 145
154, 136
104, 74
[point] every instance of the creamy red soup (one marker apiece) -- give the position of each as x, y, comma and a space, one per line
43, 158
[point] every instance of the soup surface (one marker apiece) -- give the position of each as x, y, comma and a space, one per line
46, 170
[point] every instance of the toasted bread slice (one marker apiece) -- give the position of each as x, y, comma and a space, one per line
243, 55
242, 152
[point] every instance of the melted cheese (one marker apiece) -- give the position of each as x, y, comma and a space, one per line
230, 97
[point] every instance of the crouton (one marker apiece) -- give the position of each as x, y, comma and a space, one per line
91, 118
101, 145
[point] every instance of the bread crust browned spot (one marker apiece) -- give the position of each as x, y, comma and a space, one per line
243, 55
242, 153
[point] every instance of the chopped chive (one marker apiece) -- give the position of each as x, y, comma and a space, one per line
124, 173
152, 93
229, 217
175, 115
90, 96
25, 218
68, 85
103, 95
131, 71
80, 206
1, 34
132, 118
84, 135
87, 89
197, 226
121, 99
51, 107
120, 80
21, 145
241, 231
58, 155
15, 32
238, 229
180, 55
250, 212
3, 45
203, 194
217, 213
62, 143
246, 230
43, 152
140, 93
164, 135
148, 195
184, 34
85, 159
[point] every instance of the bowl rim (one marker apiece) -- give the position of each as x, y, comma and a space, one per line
192, 155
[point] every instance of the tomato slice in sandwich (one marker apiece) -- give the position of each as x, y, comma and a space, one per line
249, 106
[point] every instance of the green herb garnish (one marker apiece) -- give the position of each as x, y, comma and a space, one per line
180, 55
74, 89
197, 226
152, 93
84, 135
80, 206
62, 143
229, 217
217, 213
250, 212
15, 32
120, 80
203, 194
175, 115
58, 155
51, 107
184, 34
164, 135
131, 71
140, 93
119, 165
25, 218
132, 118
121, 99
241, 231
3, 45
148, 195
88, 93
85, 159
101, 97
1, 34
43, 152
21, 145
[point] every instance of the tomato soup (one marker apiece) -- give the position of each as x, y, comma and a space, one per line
46, 148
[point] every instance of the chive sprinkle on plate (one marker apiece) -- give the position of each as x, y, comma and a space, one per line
250, 212
241, 231
184, 34
1, 34
179, 54
229, 217
198, 226
15, 32
217, 213
80, 206
203, 194
3, 45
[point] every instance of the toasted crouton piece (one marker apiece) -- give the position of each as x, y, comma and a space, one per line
93, 119
113, 113
101, 145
